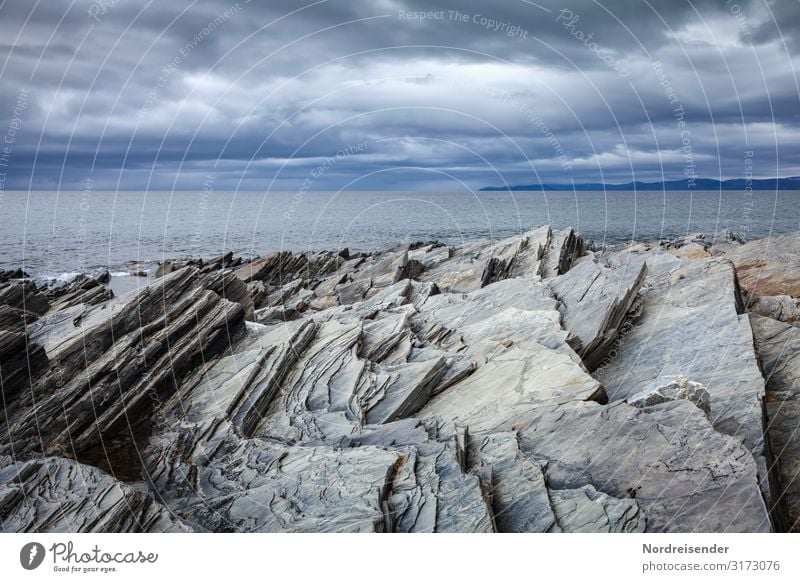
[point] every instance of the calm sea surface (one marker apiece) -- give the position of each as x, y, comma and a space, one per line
51, 234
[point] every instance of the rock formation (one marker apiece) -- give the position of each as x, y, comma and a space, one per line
523, 385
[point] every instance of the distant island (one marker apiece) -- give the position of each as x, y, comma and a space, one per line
791, 183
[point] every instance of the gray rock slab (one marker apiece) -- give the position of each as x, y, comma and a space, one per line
669, 388
691, 325
54, 495
518, 491
586, 510
505, 391
769, 266
684, 475
595, 298
778, 348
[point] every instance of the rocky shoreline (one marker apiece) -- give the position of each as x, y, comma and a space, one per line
532, 384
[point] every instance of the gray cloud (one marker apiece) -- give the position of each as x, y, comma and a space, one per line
160, 94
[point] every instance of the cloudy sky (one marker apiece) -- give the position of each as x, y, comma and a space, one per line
371, 94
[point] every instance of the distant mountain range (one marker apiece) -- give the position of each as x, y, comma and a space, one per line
792, 183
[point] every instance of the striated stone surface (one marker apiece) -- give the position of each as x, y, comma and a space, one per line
24, 295
54, 495
21, 361
504, 391
692, 325
84, 290
770, 266
691, 250
586, 510
565, 247
669, 458
781, 307
778, 348
669, 388
14, 319
595, 298
517, 491
782, 426
111, 362
475, 265
425, 388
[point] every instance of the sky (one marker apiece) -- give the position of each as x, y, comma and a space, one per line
394, 94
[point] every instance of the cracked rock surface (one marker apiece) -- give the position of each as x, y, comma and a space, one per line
692, 324
778, 348
522, 385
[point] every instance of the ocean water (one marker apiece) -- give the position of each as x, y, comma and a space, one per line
56, 234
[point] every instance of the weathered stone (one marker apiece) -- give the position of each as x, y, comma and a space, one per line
692, 325
770, 266
565, 247
260, 486
460, 502
778, 348
782, 427
691, 250
669, 388
503, 392
595, 298
398, 391
430, 256
475, 265
258, 293
84, 290
462, 269
684, 475
780, 307
277, 269
131, 353
421, 389
14, 319
24, 295
587, 510
54, 495
21, 362
164, 269
230, 287
518, 492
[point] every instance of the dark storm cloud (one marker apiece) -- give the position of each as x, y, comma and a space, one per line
153, 94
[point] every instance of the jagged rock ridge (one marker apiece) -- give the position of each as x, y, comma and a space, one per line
529, 384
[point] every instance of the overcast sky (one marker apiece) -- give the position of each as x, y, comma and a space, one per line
368, 94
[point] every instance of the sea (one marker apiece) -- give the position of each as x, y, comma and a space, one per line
56, 235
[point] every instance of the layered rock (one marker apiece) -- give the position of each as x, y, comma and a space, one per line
427, 388
24, 295
21, 362
778, 348
770, 266
564, 248
595, 298
53, 495
780, 307
475, 265
669, 458
21, 359
692, 324
111, 363
279, 268
669, 388
14, 319
84, 290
